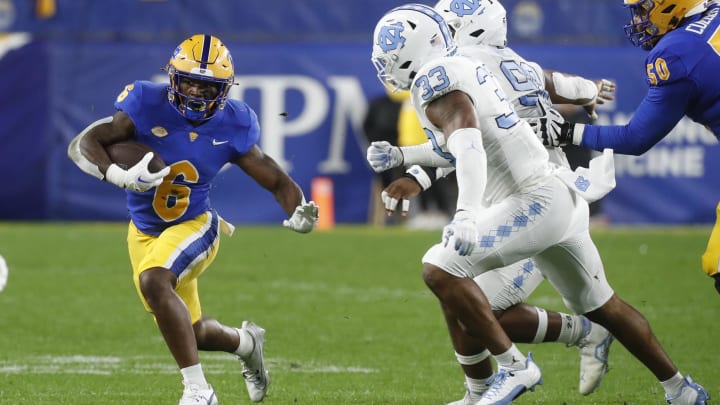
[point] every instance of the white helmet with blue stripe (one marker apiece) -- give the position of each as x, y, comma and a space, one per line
475, 22
406, 38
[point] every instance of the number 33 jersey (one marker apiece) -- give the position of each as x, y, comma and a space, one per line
195, 154
516, 159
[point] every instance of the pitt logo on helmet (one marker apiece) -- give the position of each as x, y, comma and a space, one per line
201, 73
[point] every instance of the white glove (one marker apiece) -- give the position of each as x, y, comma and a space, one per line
383, 156
463, 232
304, 219
138, 177
552, 129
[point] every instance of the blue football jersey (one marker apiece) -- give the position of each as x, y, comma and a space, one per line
681, 72
195, 154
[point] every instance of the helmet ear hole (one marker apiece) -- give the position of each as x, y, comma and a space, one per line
477, 33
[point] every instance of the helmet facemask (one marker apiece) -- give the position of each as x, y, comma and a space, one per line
197, 108
651, 19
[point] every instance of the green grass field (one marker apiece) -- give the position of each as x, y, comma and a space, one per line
348, 318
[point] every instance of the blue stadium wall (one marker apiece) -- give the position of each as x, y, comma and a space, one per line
309, 59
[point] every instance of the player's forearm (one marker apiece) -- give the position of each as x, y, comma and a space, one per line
93, 161
423, 155
654, 118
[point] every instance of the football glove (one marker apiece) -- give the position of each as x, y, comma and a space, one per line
552, 129
383, 156
304, 219
137, 178
462, 232
606, 93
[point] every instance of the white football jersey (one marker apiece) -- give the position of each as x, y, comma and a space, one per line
523, 83
516, 159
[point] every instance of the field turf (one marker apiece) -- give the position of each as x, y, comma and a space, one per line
348, 318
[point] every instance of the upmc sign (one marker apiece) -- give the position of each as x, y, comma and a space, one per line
311, 100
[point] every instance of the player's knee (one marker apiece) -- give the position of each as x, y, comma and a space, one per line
433, 276
155, 283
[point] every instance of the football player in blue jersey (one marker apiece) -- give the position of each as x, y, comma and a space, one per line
174, 232
684, 43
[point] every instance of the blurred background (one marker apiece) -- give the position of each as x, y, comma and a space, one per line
63, 62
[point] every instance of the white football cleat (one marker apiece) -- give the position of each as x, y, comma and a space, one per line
594, 351
196, 394
691, 393
256, 376
472, 397
511, 383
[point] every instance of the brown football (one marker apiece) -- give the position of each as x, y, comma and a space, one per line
127, 153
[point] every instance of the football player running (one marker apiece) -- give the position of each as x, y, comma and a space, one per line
174, 234
682, 37
511, 204
480, 30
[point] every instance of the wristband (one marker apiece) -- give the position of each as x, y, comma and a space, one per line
423, 176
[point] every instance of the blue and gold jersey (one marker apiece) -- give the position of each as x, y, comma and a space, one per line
681, 71
195, 153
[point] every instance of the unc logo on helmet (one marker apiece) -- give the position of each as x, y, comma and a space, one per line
475, 22
466, 7
201, 73
390, 37
404, 39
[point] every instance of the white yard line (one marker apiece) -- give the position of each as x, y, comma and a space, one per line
219, 363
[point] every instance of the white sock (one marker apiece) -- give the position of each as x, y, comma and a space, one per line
512, 358
477, 385
571, 329
247, 344
193, 375
673, 385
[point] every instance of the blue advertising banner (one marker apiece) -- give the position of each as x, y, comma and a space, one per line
62, 86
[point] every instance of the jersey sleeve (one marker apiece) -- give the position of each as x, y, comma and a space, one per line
129, 100
655, 117
251, 131
440, 77
662, 108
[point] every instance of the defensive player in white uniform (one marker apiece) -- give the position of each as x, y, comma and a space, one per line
479, 28
511, 204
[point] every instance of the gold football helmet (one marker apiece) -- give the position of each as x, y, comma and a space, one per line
204, 63
651, 19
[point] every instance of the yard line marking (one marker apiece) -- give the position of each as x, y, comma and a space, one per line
216, 363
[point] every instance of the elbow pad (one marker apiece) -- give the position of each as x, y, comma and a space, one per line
76, 155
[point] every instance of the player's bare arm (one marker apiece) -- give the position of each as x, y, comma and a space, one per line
451, 112
268, 174
92, 143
